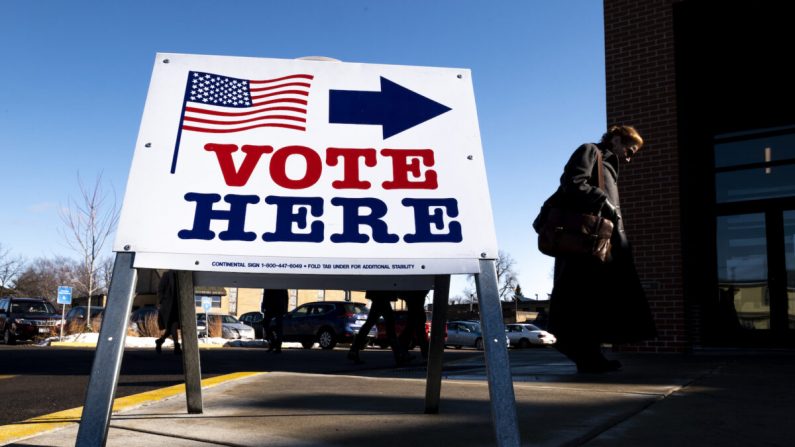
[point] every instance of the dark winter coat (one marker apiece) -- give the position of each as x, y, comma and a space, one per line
601, 301
274, 302
168, 296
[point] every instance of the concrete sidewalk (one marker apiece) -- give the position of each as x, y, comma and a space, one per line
664, 400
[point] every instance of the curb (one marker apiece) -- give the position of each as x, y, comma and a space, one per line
70, 344
62, 419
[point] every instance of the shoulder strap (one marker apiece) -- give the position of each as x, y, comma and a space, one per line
601, 167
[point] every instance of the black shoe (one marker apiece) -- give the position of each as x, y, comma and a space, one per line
177, 350
404, 359
354, 356
159, 346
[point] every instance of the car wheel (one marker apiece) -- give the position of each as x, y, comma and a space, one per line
8, 338
524, 343
308, 344
326, 339
479, 344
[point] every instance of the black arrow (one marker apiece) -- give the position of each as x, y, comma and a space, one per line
395, 108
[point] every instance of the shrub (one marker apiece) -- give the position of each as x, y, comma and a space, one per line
96, 323
214, 328
74, 327
149, 327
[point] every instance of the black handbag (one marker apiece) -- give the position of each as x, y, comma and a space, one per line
563, 232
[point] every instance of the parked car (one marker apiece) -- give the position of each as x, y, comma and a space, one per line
144, 322
230, 326
201, 327
324, 322
523, 335
378, 333
27, 318
255, 320
465, 333
78, 314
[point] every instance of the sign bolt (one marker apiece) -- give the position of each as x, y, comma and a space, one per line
196, 263
469, 157
126, 248
148, 145
165, 61
483, 255
460, 76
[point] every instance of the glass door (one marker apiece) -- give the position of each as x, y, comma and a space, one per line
743, 292
789, 262
756, 279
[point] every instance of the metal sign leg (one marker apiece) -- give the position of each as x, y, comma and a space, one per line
498, 367
433, 384
95, 419
190, 342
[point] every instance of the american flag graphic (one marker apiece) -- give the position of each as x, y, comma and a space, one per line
221, 104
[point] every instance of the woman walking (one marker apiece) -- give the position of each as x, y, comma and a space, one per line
594, 302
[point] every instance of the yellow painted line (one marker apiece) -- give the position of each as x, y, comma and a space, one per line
70, 344
5, 377
49, 422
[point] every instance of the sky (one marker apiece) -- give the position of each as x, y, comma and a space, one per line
75, 77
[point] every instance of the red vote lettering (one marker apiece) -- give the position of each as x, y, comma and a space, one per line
278, 167
350, 164
407, 173
234, 177
402, 166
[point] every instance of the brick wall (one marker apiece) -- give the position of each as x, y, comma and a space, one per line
640, 77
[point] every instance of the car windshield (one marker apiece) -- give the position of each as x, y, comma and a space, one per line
32, 307
356, 308
530, 327
228, 319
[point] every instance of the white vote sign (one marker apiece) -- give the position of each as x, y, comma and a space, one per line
311, 167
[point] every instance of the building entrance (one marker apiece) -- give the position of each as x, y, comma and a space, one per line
755, 239
756, 278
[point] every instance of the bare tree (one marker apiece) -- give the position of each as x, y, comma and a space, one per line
506, 275
89, 221
10, 267
506, 278
105, 273
42, 277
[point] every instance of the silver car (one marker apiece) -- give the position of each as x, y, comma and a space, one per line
464, 333
230, 327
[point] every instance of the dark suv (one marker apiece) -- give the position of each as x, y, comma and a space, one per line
324, 322
27, 318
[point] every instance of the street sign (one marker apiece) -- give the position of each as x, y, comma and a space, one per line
64, 295
307, 167
207, 303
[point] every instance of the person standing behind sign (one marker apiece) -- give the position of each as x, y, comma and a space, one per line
415, 321
168, 315
594, 302
380, 307
274, 306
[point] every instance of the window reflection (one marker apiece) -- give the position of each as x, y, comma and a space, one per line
789, 250
754, 168
755, 183
756, 150
744, 300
